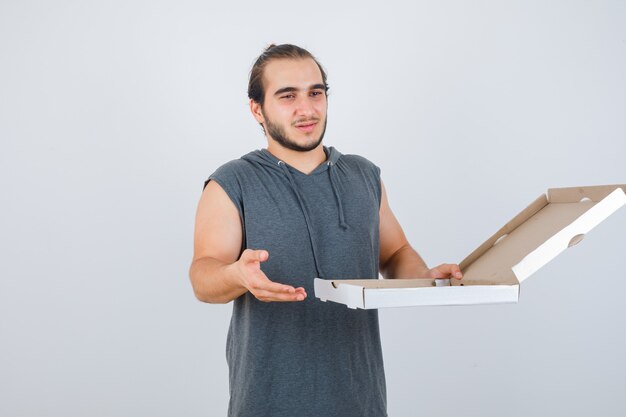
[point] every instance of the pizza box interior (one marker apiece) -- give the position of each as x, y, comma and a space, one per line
493, 272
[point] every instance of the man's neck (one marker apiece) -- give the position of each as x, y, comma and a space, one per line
304, 162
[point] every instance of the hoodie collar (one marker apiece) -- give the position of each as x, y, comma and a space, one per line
264, 157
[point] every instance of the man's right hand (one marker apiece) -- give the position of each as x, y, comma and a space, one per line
251, 277
219, 272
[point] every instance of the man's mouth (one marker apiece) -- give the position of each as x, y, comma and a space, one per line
306, 126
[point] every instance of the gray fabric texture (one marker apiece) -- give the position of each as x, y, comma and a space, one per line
307, 358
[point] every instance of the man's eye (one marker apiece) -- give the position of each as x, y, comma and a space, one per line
316, 93
288, 96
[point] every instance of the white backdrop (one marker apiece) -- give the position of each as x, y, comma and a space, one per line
112, 114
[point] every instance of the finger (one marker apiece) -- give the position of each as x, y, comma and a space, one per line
252, 255
268, 296
273, 291
446, 271
267, 286
456, 271
451, 270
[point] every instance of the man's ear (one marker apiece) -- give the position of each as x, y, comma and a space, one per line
255, 108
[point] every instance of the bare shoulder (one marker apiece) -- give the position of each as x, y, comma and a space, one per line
218, 230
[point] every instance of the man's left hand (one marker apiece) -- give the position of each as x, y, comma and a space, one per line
445, 271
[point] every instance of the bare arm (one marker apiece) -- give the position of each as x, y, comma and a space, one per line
397, 258
218, 274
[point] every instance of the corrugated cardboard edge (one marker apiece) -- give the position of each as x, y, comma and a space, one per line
350, 295
574, 194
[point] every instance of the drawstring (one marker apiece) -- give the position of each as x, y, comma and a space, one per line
307, 220
342, 221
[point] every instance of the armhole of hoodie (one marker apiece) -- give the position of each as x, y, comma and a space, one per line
378, 182
371, 172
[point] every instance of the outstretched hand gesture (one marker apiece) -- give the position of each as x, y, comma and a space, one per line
252, 278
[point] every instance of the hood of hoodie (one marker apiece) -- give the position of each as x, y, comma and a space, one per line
265, 158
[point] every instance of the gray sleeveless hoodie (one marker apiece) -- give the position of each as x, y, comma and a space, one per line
308, 358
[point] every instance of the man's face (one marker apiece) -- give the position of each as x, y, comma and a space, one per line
294, 111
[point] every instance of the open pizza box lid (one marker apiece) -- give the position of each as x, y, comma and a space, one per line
493, 272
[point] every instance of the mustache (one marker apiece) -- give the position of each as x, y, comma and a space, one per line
305, 121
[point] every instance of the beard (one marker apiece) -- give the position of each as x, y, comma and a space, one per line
277, 133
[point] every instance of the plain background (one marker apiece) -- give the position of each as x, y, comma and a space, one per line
112, 114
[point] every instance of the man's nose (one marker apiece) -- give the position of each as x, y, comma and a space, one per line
304, 106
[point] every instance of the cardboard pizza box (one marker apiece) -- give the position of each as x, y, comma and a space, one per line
493, 272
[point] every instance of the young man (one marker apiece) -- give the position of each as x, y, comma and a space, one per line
273, 220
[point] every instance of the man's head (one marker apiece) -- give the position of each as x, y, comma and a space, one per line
287, 91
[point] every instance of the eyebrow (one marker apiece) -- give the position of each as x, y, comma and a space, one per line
292, 89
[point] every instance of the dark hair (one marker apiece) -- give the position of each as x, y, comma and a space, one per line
256, 91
